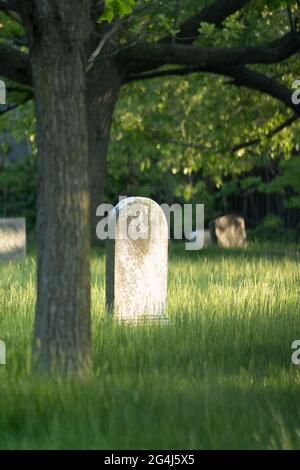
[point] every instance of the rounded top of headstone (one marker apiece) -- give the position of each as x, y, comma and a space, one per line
230, 219
137, 200
141, 215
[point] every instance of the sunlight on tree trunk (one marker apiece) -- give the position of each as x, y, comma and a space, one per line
57, 32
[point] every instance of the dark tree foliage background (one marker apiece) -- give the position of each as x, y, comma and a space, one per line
195, 137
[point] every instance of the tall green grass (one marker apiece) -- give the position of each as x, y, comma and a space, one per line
219, 375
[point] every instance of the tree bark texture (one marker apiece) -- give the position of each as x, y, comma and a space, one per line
57, 33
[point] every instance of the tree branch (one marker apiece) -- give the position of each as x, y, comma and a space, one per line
161, 54
203, 147
243, 76
163, 73
11, 107
288, 122
214, 13
101, 45
15, 65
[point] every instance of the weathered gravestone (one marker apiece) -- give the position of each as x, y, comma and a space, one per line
12, 238
137, 261
228, 231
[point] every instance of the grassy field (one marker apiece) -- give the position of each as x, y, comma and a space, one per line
219, 376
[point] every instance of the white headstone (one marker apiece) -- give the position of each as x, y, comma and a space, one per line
137, 261
12, 238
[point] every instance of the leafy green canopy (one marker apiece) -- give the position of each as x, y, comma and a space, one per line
115, 8
173, 135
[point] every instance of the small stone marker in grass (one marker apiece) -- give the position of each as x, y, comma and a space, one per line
12, 238
137, 261
229, 231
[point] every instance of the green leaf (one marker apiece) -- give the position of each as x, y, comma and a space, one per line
115, 8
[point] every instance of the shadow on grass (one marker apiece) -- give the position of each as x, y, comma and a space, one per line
198, 348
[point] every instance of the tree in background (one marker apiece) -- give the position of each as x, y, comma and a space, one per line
75, 101
178, 139
56, 33
221, 37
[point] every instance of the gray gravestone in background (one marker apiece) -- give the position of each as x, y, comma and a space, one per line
12, 238
137, 261
229, 231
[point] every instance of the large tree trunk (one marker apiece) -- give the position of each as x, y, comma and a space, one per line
103, 85
57, 32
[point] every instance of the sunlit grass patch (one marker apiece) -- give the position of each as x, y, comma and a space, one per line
219, 375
